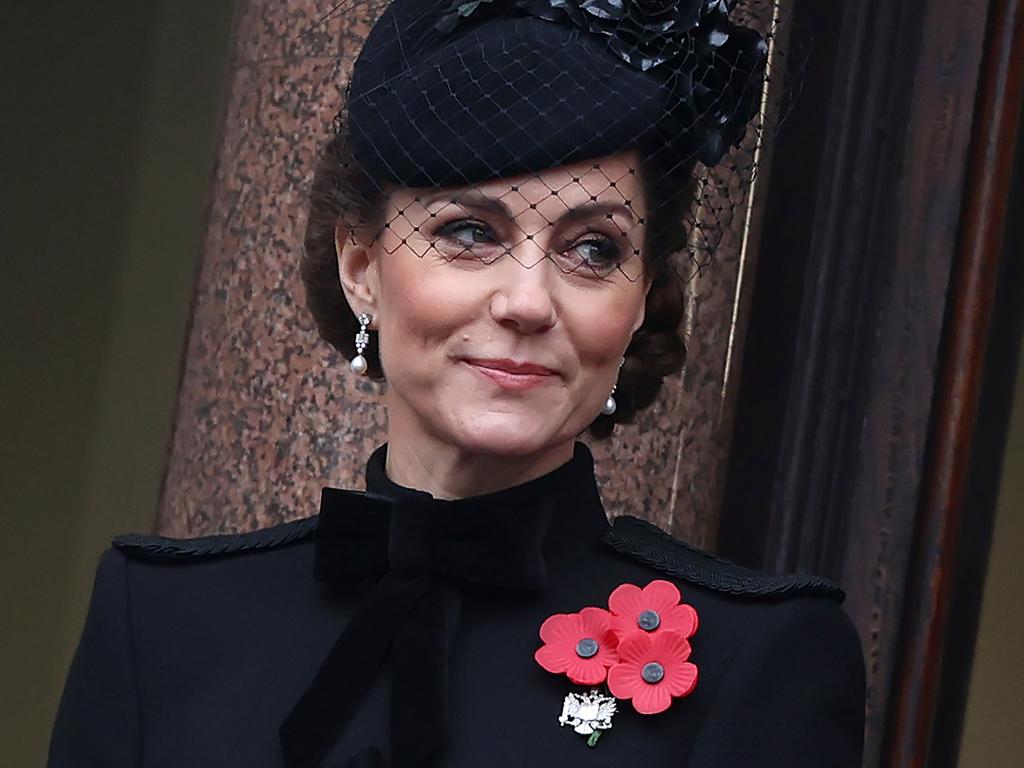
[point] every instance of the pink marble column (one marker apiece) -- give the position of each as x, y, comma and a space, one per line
267, 413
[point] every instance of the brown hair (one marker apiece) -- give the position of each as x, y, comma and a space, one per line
343, 191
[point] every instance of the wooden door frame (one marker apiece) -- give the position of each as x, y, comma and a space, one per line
859, 413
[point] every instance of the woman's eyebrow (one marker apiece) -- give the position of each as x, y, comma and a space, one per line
495, 206
470, 200
597, 210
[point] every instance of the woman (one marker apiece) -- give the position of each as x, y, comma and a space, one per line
491, 231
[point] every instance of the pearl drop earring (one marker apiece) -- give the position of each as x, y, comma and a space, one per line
610, 405
359, 364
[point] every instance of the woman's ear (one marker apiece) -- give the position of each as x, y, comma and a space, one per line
357, 269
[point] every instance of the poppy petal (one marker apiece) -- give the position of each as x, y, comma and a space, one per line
670, 648
652, 699
681, 619
560, 628
622, 625
553, 658
635, 647
607, 651
586, 672
594, 622
625, 601
681, 679
661, 596
624, 680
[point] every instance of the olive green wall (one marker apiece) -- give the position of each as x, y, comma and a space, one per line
109, 122
994, 723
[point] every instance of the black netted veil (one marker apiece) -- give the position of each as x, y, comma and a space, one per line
558, 98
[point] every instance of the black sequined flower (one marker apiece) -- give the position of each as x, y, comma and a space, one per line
645, 33
726, 89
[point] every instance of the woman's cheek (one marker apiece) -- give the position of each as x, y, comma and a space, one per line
426, 304
600, 329
441, 300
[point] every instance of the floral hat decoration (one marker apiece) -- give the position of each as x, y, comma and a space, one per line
639, 647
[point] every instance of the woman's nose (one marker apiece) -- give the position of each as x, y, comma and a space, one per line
524, 297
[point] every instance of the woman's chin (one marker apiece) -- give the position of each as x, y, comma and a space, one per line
508, 433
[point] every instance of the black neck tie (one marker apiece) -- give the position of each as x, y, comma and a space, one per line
418, 549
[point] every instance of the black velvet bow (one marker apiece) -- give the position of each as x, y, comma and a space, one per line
418, 550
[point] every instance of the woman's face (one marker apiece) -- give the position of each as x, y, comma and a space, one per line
504, 308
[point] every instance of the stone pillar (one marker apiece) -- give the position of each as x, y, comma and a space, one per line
267, 413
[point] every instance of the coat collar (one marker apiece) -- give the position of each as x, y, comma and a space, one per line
500, 539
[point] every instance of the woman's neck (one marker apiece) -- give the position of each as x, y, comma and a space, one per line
417, 459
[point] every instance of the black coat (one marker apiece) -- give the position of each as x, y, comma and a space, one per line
204, 652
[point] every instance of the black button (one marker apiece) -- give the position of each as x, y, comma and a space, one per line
649, 620
586, 648
652, 672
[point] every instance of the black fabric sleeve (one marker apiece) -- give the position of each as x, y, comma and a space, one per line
793, 697
98, 720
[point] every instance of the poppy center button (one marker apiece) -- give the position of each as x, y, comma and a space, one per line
586, 648
652, 672
649, 620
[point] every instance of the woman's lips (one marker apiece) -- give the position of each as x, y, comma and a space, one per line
512, 375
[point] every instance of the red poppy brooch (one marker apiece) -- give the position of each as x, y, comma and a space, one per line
639, 648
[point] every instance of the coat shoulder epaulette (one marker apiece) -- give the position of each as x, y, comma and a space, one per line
164, 549
647, 543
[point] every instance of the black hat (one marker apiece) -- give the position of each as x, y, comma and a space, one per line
449, 92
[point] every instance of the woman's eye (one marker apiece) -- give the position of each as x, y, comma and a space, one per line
467, 233
601, 255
